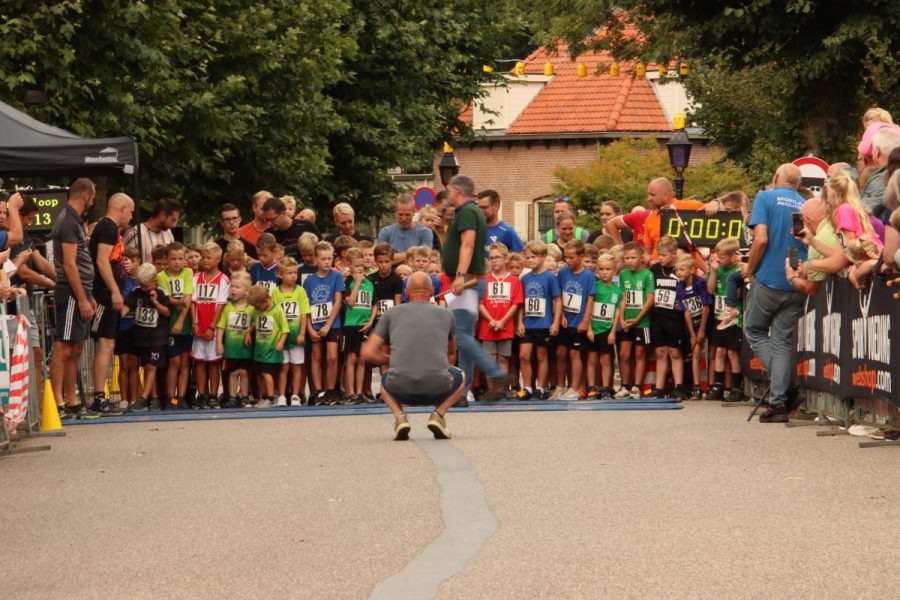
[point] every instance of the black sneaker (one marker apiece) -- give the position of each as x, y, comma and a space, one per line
108, 407
139, 405
775, 414
201, 402
97, 403
153, 404
606, 394
679, 393
245, 401
212, 402
71, 412
231, 403
735, 395
715, 392
794, 399
657, 393
892, 436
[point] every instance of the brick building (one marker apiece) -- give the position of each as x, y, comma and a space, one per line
537, 122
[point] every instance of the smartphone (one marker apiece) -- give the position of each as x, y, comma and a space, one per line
797, 223
794, 257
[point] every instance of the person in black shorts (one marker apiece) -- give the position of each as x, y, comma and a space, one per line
151, 309
107, 251
667, 328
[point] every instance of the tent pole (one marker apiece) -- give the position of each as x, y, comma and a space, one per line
137, 211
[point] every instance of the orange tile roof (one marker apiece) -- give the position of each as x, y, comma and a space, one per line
598, 102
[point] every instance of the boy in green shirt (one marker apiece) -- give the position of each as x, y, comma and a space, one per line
231, 342
272, 330
638, 286
727, 337
602, 333
358, 319
295, 305
178, 282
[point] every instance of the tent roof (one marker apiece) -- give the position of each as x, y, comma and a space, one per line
31, 148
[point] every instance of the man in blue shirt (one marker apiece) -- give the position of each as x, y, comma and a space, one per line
404, 234
497, 230
774, 306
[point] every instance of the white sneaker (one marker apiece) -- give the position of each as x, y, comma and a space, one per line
264, 403
280, 401
571, 394
295, 400
622, 394
636, 393
470, 397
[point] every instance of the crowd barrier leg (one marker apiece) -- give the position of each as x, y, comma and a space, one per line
31, 424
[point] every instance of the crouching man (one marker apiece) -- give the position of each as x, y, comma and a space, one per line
409, 339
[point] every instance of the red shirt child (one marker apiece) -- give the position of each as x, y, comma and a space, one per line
502, 295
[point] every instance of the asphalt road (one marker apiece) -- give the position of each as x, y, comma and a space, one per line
663, 504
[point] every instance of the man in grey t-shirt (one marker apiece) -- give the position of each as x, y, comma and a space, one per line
418, 369
73, 297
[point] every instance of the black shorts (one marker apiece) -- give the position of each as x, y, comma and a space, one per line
154, 357
573, 339
125, 343
105, 323
668, 333
353, 339
333, 335
731, 338
538, 337
601, 343
636, 335
70, 327
237, 364
272, 369
180, 344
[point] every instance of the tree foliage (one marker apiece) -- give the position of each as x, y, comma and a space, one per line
226, 97
799, 72
623, 169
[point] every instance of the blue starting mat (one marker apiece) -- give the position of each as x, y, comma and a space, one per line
368, 409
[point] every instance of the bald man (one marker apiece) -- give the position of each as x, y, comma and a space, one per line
774, 306
107, 251
419, 372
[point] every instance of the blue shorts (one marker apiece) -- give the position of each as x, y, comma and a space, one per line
180, 344
425, 399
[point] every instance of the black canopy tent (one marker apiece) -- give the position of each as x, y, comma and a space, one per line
30, 148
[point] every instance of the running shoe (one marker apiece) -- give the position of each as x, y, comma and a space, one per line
635, 393
438, 426
402, 428
296, 400
139, 405
280, 401
623, 393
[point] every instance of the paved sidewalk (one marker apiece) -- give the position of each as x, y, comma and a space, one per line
670, 504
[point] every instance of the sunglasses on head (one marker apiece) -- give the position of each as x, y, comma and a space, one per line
561, 199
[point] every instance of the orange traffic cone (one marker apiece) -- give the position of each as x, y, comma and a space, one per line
49, 413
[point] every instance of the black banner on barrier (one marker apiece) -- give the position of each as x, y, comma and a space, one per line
845, 342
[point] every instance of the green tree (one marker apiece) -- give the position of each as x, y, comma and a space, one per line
822, 63
623, 169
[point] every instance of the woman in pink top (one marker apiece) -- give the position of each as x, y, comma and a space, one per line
850, 218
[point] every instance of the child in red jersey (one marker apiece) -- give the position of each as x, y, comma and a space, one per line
502, 298
211, 291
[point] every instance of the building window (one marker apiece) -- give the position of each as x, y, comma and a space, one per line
544, 218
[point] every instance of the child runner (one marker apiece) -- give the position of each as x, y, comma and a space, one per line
233, 325
325, 289
358, 319
666, 321
602, 334
727, 338
637, 284
295, 305
538, 320
151, 309
128, 353
178, 282
576, 286
502, 299
694, 300
271, 331
265, 271
211, 290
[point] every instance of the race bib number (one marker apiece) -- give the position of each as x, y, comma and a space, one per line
384, 306
535, 307
364, 299
321, 312
265, 325
720, 304
291, 310
238, 321
665, 299
176, 288
571, 302
146, 316
499, 291
604, 312
270, 285
207, 292
694, 305
634, 299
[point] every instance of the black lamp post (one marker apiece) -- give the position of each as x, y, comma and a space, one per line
449, 166
679, 147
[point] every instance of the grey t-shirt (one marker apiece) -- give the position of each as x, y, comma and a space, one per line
402, 240
418, 333
69, 229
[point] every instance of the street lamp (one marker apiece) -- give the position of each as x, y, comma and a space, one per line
679, 147
449, 166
